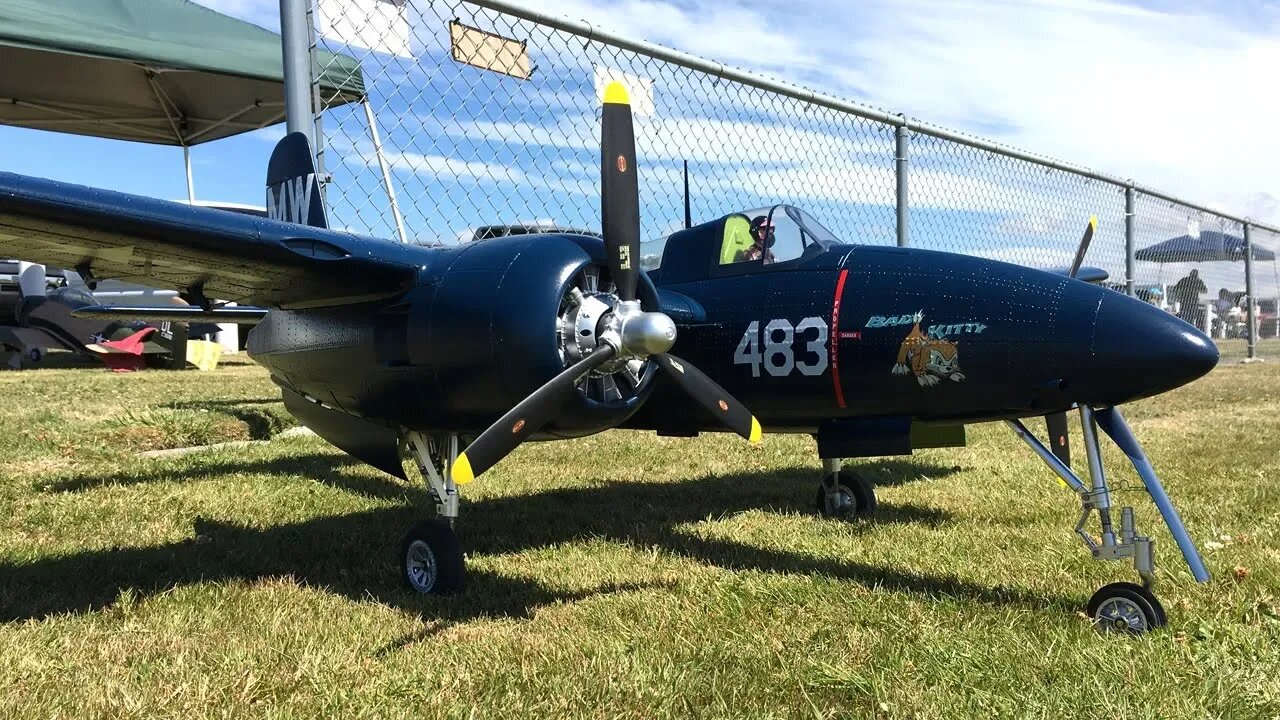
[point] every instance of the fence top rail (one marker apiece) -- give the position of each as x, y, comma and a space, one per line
693, 62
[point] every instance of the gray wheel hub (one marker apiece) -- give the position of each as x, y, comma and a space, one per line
1119, 614
840, 502
420, 566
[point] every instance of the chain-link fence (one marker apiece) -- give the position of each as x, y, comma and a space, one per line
483, 119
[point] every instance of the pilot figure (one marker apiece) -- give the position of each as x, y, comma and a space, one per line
762, 240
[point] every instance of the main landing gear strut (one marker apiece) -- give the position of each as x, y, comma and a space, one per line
431, 559
1119, 607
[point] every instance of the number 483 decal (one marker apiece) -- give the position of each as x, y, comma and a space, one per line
775, 347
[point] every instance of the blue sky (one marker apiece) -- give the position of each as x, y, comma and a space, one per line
1176, 95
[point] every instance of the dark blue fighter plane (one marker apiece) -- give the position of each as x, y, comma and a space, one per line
446, 359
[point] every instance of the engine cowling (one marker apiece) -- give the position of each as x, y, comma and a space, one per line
508, 315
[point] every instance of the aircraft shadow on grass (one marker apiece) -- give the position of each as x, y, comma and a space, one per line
353, 554
326, 469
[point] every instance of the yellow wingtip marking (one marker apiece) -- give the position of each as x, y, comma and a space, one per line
1093, 222
615, 93
461, 470
755, 430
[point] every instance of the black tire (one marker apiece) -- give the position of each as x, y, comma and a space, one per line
845, 496
431, 560
1124, 607
35, 355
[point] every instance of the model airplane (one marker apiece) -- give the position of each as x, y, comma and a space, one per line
380, 347
37, 313
37, 309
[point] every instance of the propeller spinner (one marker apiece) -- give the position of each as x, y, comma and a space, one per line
629, 332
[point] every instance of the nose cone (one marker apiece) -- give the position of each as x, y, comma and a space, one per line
1139, 350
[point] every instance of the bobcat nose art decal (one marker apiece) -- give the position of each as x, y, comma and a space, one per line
930, 357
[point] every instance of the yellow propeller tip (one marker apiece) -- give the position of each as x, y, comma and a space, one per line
1093, 222
615, 93
755, 430
461, 470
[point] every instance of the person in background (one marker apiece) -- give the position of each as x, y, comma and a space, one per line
1186, 292
1224, 303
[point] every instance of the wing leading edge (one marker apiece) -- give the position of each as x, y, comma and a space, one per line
203, 251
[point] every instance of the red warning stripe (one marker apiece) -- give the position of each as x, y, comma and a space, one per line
835, 339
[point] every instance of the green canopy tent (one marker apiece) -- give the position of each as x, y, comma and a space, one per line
156, 71
168, 72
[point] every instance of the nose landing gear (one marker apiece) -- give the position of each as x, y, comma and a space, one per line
1119, 607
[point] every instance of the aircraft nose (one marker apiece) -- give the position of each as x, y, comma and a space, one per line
1139, 350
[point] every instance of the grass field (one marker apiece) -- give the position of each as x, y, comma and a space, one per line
619, 576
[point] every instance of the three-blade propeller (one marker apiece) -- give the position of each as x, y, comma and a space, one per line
1056, 424
630, 332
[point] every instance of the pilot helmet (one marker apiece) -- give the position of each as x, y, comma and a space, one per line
757, 223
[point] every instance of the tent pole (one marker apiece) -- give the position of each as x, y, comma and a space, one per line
296, 53
191, 185
386, 171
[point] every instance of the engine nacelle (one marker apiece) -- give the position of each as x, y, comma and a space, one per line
489, 328
479, 332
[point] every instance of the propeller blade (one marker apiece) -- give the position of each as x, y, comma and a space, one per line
688, 209
711, 396
1059, 440
619, 190
524, 419
1084, 246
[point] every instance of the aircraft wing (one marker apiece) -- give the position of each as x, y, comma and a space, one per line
202, 251
239, 315
24, 337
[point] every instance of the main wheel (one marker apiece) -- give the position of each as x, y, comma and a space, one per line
845, 495
1124, 607
431, 560
35, 355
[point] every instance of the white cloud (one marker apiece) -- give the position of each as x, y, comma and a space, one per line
726, 32
1176, 99
433, 166
265, 13
674, 138
1168, 98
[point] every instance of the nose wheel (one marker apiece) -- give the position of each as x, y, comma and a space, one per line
844, 494
1124, 607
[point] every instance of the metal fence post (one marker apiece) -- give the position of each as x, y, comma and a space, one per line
1252, 307
295, 47
903, 137
317, 102
1129, 262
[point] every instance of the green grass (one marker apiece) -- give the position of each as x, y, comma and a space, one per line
617, 576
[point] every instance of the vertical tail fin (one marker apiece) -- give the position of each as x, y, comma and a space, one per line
31, 279
293, 195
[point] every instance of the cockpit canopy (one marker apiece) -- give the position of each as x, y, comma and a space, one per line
757, 237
